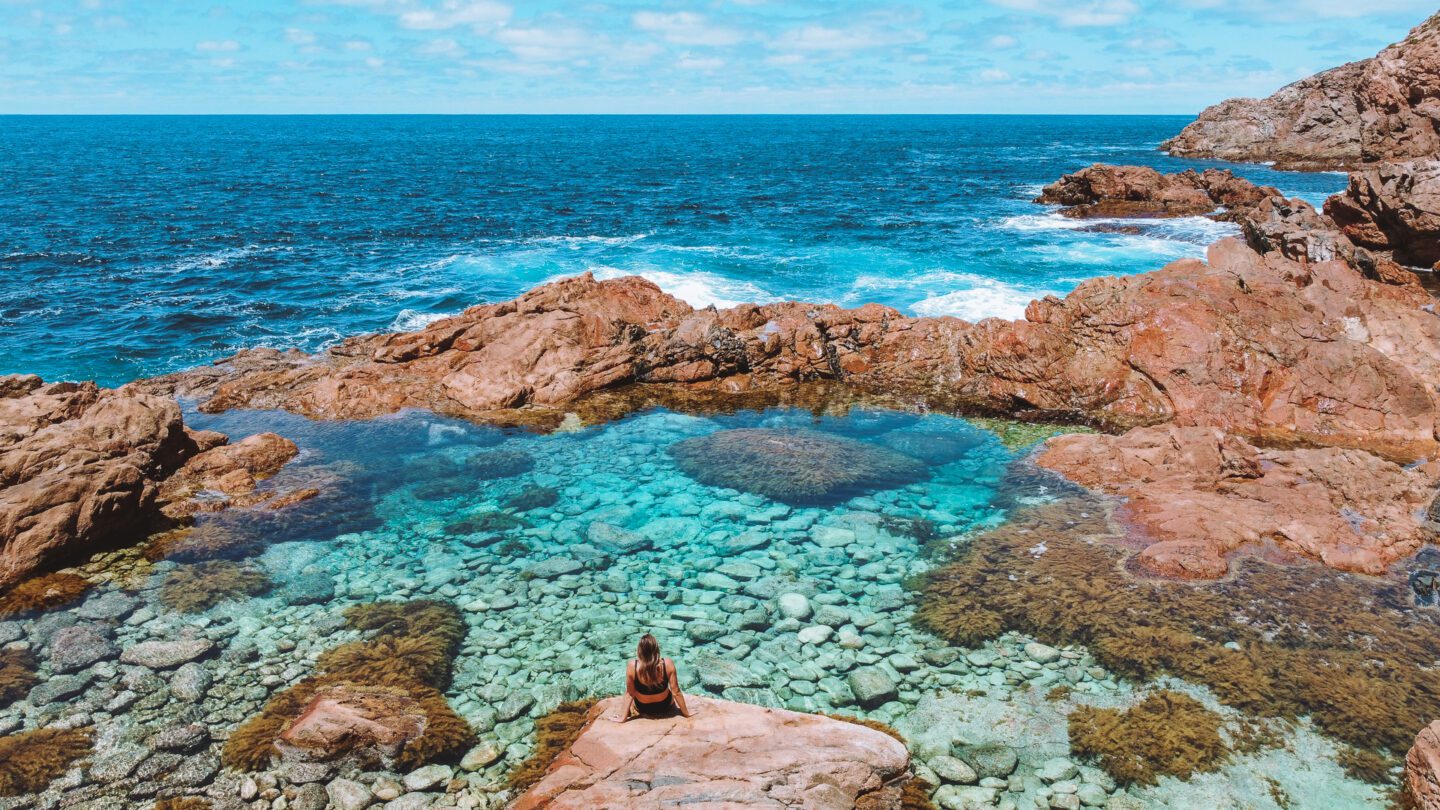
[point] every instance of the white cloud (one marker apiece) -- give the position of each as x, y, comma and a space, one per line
299, 36
785, 59
441, 47
1001, 42
994, 75
217, 45
1090, 13
481, 15
854, 38
546, 44
686, 28
688, 62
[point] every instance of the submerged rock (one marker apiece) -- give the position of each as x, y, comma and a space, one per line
374, 724
747, 754
794, 466
1422, 769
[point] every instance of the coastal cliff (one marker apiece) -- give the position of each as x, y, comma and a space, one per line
1377, 109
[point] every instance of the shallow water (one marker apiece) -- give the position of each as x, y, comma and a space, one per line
133, 246
632, 544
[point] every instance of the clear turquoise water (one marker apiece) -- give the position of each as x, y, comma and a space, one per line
555, 606
131, 246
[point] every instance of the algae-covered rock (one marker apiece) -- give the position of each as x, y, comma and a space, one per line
794, 466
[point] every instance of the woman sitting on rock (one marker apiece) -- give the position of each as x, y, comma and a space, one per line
652, 687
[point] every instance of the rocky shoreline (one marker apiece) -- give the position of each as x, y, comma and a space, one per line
1275, 401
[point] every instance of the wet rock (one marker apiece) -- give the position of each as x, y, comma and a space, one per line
952, 770
197, 770
190, 682
313, 588
342, 719
428, 777
180, 738
991, 761
117, 764
75, 648
554, 567
411, 801
166, 654
1140, 191
311, 797
349, 795
794, 606
1041, 653
159, 765
718, 673
872, 686
59, 687
514, 705
616, 540
111, 606
304, 773
970, 797
1056, 769
486, 753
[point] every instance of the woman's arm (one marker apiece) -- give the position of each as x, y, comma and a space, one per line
675, 691
627, 707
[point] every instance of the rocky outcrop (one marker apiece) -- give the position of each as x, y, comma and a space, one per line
1422, 770
1103, 190
79, 468
1383, 108
1393, 208
1260, 346
1270, 222
1196, 497
373, 724
82, 467
226, 475
727, 754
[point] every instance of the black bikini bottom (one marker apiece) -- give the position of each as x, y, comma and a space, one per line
658, 709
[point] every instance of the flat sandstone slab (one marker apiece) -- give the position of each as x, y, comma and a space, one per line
725, 755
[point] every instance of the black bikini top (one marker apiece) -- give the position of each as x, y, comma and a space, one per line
648, 690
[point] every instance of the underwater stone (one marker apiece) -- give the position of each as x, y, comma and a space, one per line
111, 606
411, 801
872, 686
493, 464
554, 567
190, 682
75, 648
180, 738
486, 753
349, 795
793, 466
311, 797
952, 770
166, 654
1041, 653
933, 446
616, 540
717, 673
991, 761
1056, 769
427, 777
59, 687
516, 704
794, 606
714, 581
309, 589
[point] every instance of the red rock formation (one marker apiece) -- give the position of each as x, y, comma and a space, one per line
229, 470
1394, 208
1102, 190
727, 754
82, 467
1422, 770
1195, 497
374, 724
1261, 346
1383, 108
78, 468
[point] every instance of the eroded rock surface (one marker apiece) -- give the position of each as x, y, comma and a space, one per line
1383, 108
82, 467
1196, 496
1103, 190
79, 467
1422, 770
1393, 208
727, 754
1262, 346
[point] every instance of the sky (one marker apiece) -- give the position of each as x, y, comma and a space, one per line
680, 56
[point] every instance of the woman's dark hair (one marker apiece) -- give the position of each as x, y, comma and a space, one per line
647, 656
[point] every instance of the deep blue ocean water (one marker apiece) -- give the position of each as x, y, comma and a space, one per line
131, 246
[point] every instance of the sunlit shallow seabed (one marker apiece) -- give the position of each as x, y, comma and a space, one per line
562, 549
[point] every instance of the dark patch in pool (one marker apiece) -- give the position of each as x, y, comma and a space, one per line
801, 467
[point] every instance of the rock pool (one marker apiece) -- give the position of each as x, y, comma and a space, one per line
560, 550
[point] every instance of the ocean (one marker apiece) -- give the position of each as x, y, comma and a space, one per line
133, 246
